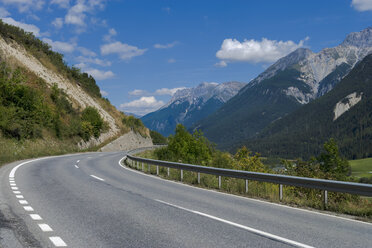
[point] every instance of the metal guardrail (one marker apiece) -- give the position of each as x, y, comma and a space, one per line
322, 184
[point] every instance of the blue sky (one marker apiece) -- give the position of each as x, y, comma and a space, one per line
141, 51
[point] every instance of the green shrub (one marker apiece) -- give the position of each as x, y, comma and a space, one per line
90, 115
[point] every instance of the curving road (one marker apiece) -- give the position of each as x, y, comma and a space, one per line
89, 200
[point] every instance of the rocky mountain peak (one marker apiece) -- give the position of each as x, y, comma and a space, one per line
360, 39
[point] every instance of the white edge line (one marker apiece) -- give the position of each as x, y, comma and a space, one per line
57, 241
249, 229
242, 197
101, 179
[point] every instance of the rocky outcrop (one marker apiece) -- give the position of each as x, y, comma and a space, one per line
128, 141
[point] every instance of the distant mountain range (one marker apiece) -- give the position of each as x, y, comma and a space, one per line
284, 87
190, 105
344, 113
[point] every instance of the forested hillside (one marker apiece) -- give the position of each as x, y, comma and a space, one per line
302, 133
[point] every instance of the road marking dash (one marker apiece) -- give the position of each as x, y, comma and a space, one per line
14, 188
97, 178
78, 161
57, 241
249, 229
19, 196
28, 208
23, 202
77, 167
13, 184
16, 192
35, 217
45, 228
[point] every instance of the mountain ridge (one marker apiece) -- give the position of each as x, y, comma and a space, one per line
292, 81
189, 105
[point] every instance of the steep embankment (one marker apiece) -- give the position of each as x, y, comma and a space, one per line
47, 107
79, 98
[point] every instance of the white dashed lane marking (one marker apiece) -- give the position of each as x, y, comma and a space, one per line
97, 178
57, 241
16, 192
78, 161
77, 167
45, 228
35, 217
14, 188
28, 208
19, 196
23, 202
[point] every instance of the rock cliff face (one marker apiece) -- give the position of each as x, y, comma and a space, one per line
127, 142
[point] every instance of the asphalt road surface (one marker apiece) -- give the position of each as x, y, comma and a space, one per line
89, 200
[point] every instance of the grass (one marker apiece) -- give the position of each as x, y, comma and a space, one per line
342, 203
361, 167
13, 150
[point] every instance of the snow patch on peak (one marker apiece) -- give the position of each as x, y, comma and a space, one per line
346, 103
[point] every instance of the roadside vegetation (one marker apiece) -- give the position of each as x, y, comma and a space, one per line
196, 149
362, 169
36, 120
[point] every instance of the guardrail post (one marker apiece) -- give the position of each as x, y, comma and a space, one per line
143, 167
280, 192
325, 198
137, 165
219, 182
168, 171
181, 175
246, 186
198, 177
149, 168
157, 170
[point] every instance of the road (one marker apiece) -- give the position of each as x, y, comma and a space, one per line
89, 200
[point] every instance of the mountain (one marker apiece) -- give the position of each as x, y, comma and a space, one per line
344, 113
285, 86
190, 105
47, 107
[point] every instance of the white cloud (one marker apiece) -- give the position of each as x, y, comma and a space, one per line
95, 61
171, 61
124, 51
99, 74
165, 46
256, 51
362, 5
86, 52
142, 106
104, 93
166, 91
158, 92
167, 9
111, 33
222, 63
25, 5
3, 13
58, 23
61, 3
59, 46
138, 93
77, 14
27, 27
